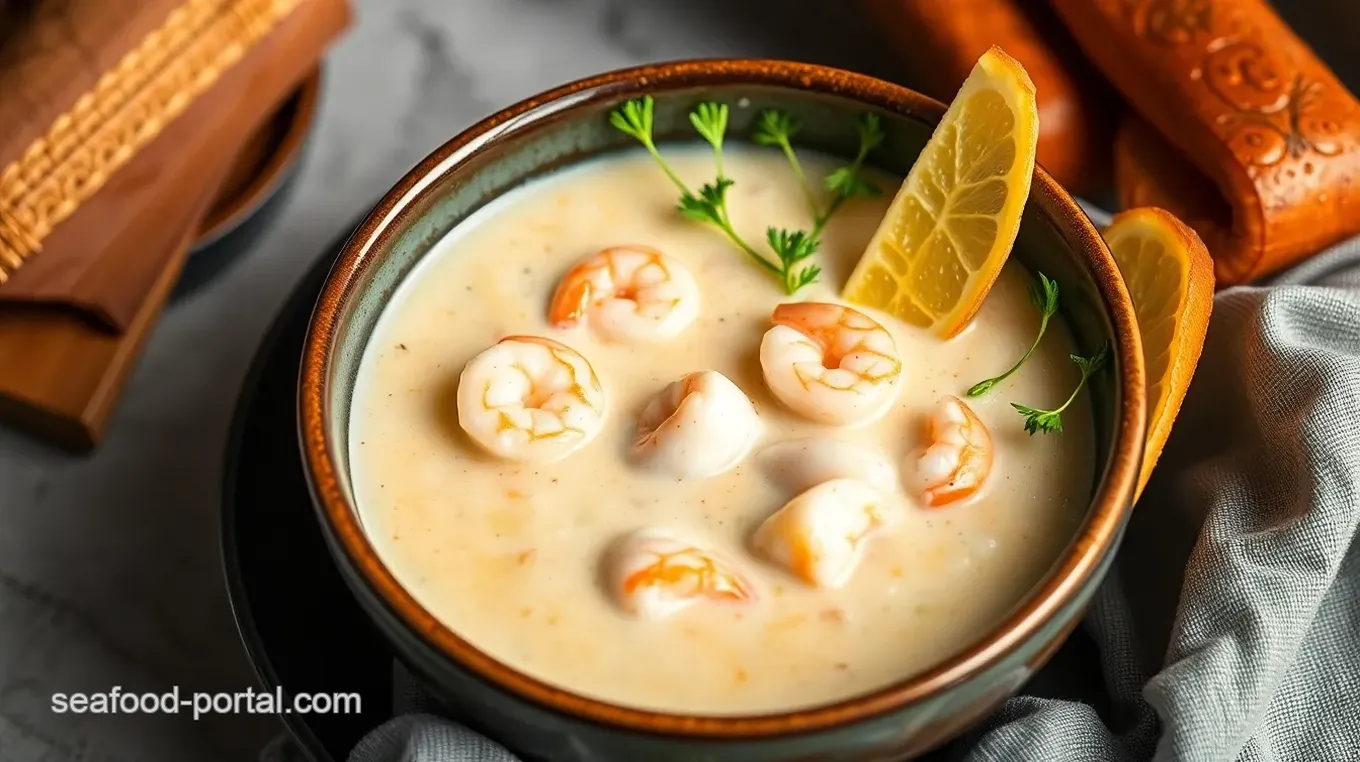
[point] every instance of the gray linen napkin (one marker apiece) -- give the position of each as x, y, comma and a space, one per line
1229, 630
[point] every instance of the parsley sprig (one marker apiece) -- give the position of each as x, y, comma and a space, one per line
776, 128
1047, 421
1044, 294
710, 121
791, 248
709, 205
635, 118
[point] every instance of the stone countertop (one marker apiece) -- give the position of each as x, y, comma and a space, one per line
109, 566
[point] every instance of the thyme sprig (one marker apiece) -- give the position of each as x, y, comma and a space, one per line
1044, 295
777, 128
791, 248
1047, 421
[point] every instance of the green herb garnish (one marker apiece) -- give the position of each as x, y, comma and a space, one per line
710, 120
709, 205
1044, 294
777, 128
635, 118
1047, 421
792, 248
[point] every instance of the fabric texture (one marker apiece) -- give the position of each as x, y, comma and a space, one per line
1229, 629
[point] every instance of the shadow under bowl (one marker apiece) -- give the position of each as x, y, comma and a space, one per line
568, 125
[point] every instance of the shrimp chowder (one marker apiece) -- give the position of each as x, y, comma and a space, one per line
600, 444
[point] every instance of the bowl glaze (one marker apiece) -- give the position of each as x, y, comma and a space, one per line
567, 125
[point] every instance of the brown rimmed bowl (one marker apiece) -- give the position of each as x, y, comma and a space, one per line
570, 124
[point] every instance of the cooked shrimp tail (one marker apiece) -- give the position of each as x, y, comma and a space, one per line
571, 302
959, 458
528, 398
627, 293
820, 535
830, 363
697, 427
652, 574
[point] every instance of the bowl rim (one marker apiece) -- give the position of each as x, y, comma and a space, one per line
1104, 521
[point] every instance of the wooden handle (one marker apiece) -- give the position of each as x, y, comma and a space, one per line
941, 40
1237, 95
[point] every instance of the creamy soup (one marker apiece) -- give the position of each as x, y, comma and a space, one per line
516, 556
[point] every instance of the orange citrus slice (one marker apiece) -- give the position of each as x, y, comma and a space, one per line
953, 221
1170, 279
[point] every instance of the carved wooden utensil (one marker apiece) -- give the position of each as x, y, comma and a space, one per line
85, 94
1256, 142
60, 373
942, 39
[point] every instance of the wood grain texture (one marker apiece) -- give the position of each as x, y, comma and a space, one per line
260, 166
62, 189
941, 40
60, 373
1240, 99
62, 377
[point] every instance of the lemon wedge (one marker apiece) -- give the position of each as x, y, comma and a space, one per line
951, 226
1170, 278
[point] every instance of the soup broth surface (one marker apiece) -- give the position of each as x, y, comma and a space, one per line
508, 555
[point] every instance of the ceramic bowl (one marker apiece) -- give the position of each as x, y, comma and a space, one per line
570, 124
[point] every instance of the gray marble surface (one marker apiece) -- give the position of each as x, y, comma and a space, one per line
109, 566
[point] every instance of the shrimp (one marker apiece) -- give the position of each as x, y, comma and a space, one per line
652, 574
527, 398
800, 464
699, 426
959, 457
830, 363
820, 535
628, 293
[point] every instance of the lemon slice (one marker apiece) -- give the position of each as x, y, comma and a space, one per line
1170, 278
952, 224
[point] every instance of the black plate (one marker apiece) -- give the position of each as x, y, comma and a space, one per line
301, 627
